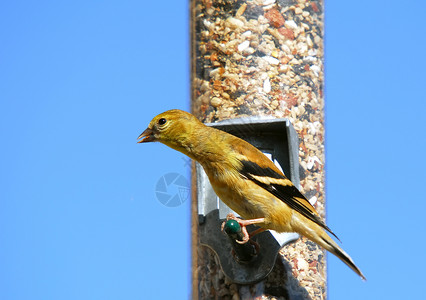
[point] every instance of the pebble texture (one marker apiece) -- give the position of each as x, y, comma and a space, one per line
264, 58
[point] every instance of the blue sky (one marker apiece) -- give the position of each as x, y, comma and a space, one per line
80, 80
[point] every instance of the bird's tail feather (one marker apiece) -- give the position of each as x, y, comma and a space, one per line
315, 233
332, 247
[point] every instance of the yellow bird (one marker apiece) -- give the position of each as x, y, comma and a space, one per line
244, 178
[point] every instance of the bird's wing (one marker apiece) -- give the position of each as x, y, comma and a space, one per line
272, 180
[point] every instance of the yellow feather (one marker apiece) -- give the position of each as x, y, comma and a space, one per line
222, 156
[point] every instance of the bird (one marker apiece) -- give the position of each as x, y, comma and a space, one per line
244, 179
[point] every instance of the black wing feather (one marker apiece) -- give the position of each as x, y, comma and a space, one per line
286, 193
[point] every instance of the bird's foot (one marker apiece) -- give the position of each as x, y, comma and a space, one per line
244, 224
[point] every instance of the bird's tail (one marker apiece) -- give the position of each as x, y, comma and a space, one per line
320, 237
332, 247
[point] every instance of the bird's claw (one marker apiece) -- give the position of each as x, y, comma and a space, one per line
246, 236
245, 240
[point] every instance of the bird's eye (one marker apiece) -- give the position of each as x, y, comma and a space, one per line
162, 121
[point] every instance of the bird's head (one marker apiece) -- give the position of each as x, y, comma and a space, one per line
172, 128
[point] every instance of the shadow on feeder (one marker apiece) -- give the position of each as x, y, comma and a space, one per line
243, 253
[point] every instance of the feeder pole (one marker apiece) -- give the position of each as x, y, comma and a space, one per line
262, 58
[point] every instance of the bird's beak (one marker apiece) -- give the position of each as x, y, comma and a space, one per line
146, 136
